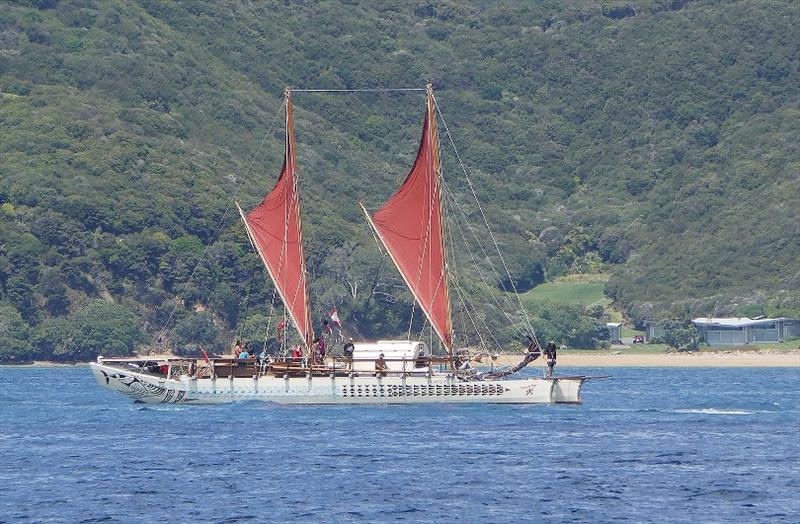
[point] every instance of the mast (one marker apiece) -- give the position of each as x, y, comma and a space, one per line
275, 230
410, 226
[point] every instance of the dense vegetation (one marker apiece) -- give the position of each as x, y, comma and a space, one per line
656, 139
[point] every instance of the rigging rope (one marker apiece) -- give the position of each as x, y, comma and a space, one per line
246, 309
269, 318
465, 309
465, 304
486, 222
485, 281
534, 351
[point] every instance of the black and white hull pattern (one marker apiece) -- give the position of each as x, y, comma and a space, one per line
436, 388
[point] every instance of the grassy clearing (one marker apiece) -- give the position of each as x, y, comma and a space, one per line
582, 293
586, 278
627, 332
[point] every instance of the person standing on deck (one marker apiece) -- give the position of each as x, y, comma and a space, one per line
550, 355
349, 348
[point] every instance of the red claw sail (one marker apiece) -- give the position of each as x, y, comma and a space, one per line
275, 229
410, 226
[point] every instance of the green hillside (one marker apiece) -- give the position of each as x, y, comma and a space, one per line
653, 139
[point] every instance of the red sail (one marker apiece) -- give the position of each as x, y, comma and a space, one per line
410, 226
274, 226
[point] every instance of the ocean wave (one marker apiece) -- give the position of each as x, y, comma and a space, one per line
714, 411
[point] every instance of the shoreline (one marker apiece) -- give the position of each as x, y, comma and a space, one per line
698, 359
618, 358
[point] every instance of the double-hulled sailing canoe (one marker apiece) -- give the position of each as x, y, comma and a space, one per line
410, 226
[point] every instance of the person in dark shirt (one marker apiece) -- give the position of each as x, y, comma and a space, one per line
348, 348
550, 355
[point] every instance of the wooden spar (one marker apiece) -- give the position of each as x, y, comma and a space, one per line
309, 337
433, 135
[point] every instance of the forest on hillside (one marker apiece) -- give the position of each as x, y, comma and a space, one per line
655, 140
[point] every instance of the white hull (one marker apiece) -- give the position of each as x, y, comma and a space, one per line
438, 388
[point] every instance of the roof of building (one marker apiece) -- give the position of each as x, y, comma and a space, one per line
735, 321
613, 324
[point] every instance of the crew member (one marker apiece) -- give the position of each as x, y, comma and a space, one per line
380, 366
297, 354
550, 355
319, 350
348, 348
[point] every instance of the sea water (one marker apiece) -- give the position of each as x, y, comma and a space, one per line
648, 444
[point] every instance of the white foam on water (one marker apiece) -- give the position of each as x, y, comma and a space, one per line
714, 411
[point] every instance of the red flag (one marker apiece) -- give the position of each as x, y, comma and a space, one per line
280, 327
334, 316
205, 355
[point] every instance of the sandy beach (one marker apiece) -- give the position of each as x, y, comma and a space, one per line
616, 358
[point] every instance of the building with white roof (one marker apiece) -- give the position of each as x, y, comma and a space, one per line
735, 331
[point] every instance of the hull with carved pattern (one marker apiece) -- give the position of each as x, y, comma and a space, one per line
438, 388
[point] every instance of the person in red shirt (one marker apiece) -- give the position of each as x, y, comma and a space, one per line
297, 354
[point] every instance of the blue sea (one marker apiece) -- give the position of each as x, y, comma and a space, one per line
648, 444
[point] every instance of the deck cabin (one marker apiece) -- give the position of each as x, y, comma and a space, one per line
401, 356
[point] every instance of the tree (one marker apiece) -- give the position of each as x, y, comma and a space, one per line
196, 329
255, 328
21, 294
680, 335
568, 324
639, 312
55, 292
100, 328
15, 343
227, 302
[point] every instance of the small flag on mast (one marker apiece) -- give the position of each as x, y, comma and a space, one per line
280, 327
